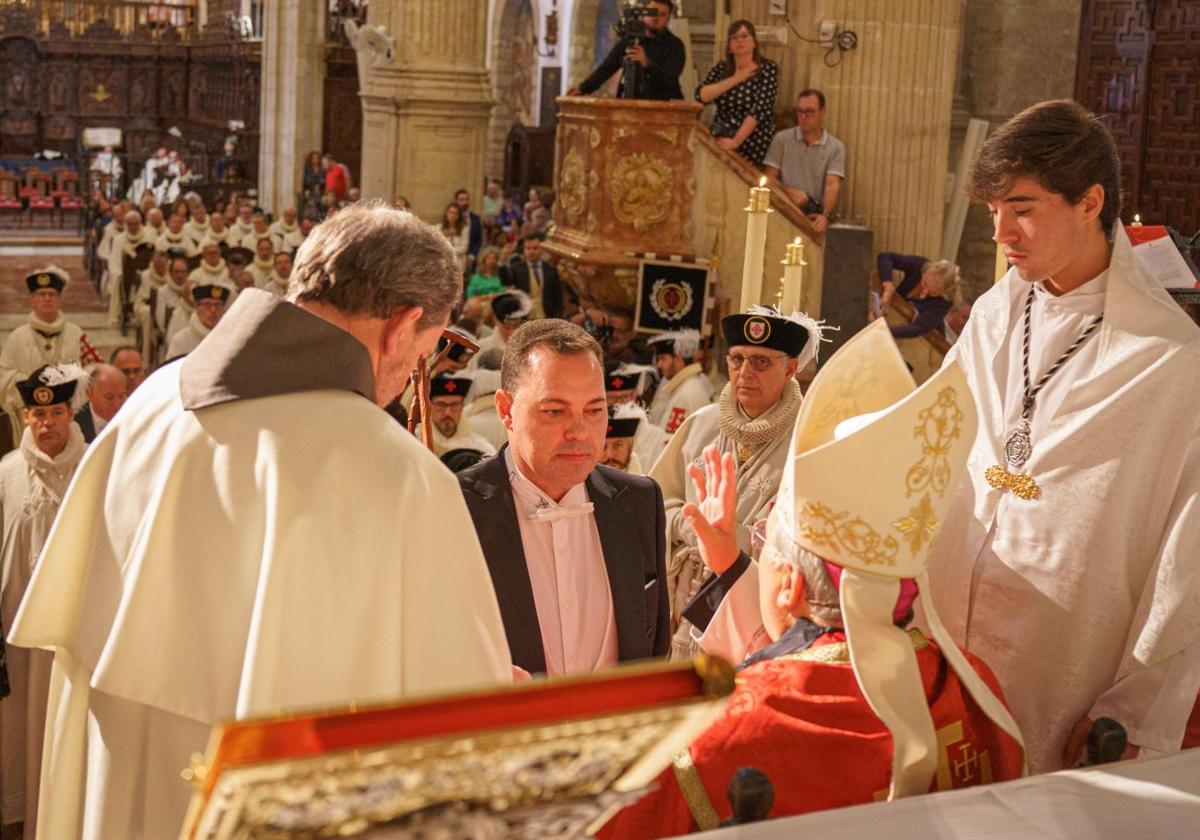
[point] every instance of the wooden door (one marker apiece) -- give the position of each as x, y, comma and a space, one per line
1139, 67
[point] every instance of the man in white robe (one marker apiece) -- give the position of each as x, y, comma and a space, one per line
684, 389
150, 300
245, 570
33, 480
752, 420
263, 265
281, 271
47, 338
1075, 573
258, 230
481, 406
126, 244
285, 231
623, 422
209, 302
629, 384
176, 238
198, 227
212, 268
451, 429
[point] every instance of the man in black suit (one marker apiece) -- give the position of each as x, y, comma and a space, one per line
474, 224
576, 551
536, 277
107, 391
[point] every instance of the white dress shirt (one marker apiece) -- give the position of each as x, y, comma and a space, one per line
568, 576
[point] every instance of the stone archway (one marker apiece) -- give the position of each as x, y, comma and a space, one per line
514, 76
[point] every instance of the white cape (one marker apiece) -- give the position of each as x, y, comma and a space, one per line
245, 558
1088, 599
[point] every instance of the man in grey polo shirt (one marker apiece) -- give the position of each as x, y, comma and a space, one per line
809, 160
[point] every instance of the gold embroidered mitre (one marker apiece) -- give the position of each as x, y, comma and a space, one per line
875, 463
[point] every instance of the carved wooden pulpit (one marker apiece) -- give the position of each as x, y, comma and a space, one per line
625, 186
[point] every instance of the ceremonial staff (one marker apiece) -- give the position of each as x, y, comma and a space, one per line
420, 383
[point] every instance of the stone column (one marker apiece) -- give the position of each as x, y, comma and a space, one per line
425, 113
291, 97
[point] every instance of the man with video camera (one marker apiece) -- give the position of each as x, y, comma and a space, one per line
650, 56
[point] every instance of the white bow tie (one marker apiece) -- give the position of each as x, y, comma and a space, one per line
546, 512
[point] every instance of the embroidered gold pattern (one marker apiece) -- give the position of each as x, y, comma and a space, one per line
1022, 484
920, 526
854, 536
938, 426
694, 793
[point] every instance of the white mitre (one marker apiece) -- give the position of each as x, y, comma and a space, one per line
913, 442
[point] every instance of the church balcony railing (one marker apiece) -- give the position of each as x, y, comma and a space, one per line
112, 18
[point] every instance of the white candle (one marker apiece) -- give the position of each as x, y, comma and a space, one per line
793, 277
756, 243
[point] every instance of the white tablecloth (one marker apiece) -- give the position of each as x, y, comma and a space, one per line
1142, 799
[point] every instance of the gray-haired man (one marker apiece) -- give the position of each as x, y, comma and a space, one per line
269, 550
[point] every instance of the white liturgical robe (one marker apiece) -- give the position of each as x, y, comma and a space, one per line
250, 534
1086, 600
568, 576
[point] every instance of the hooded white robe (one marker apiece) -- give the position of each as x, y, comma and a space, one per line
32, 485
1086, 600
271, 550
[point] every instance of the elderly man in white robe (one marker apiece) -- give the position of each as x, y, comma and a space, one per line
1069, 562
752, 420
47, 338
285, 231
245, 570
209, 303
126, 244
684, 389
33, 480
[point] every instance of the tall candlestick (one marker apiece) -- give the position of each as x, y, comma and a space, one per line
756, 242
793, 277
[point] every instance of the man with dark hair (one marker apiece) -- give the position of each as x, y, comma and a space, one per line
475, 225
537, 278
1068, 559
244, 569
809, 160
660, 57
576, 550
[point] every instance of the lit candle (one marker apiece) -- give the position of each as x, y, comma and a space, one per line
756, 242
1137, 220
793, 277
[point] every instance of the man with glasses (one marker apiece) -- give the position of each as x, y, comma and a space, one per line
809, 160
659, 53
752, 420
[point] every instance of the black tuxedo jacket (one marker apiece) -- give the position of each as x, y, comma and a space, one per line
632, 526
86, 423
552, 290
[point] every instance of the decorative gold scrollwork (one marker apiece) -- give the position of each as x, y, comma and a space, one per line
642, 190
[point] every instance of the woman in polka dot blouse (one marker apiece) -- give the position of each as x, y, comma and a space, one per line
744, 87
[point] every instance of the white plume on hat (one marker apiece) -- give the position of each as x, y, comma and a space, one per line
685, 341
629, 410
816, 330
55, 375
